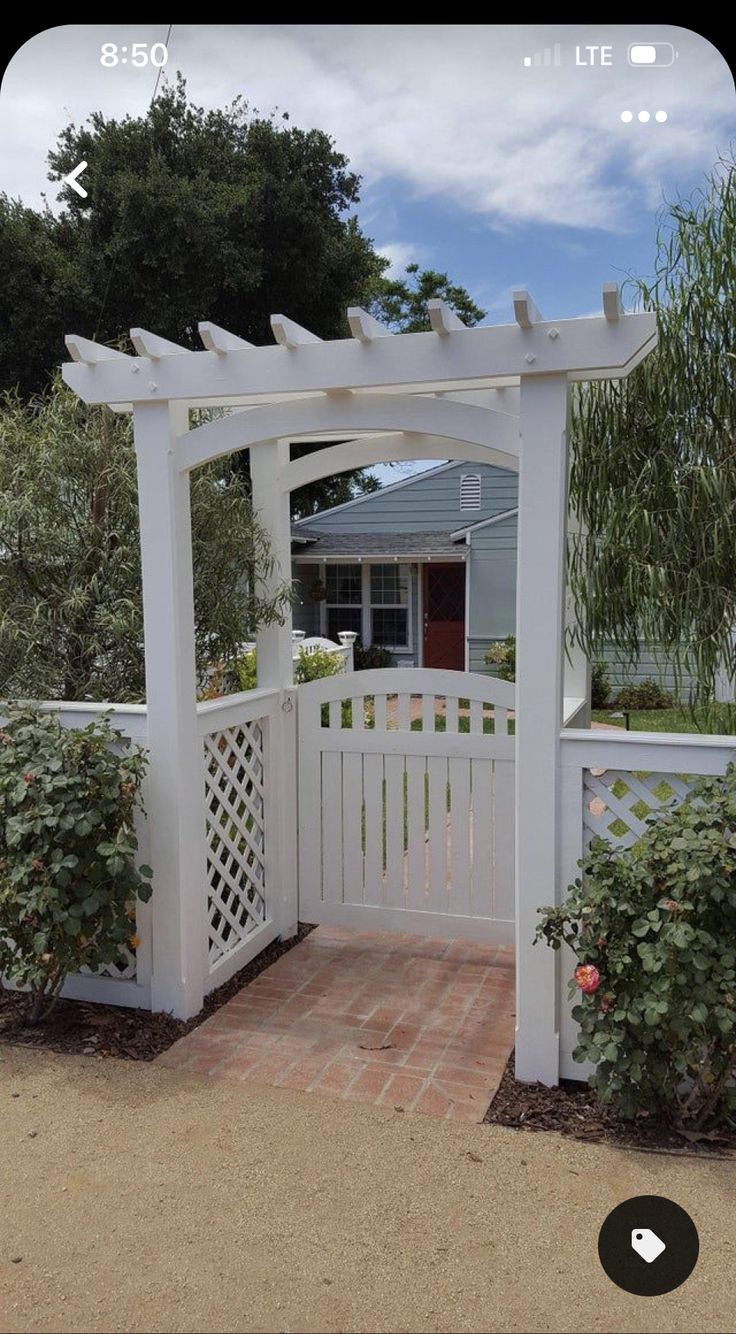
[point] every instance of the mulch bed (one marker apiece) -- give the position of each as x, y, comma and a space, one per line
81, 1028
572, 1109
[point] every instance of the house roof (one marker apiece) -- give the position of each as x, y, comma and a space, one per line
461, 533
374, 544
371, 495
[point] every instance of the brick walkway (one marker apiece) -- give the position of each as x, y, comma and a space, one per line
391, 1019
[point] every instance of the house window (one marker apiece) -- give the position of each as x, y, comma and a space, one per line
389, 605
343, 604
470, 491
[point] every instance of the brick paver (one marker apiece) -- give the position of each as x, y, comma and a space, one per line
392, 1019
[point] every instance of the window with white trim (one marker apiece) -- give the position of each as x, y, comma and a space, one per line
389, 605
470, 491
344, 600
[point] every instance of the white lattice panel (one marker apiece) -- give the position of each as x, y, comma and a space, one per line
123, 969
234, 813
617, 803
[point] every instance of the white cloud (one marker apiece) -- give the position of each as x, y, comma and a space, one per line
401, 253
444, 111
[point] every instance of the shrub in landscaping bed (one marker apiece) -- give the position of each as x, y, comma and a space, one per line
502, 656
373, 655
600, 686
68, 880
646, 695
653, 929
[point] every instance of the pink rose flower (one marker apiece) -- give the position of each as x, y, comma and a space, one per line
588, 978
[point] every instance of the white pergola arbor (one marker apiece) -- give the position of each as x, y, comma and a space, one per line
496, 395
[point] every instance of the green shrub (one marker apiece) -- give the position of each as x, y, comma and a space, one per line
646, 695
373, 656
242, 673
502, 656
654, 932
313, 666
68, 881
600, 686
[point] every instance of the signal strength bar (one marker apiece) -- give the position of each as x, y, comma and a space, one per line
551, 55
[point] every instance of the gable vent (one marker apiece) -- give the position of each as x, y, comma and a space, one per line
470, 491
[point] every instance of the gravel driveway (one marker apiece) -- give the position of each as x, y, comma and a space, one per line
140, 1198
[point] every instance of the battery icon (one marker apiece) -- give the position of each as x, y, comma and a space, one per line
652, 53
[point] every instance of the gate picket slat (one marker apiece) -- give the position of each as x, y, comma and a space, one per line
428, 708
403, 712
481, 885
352, 828
395, 813
416, 893
335, 713
357, 713
437, 833
332, 827
459, 777
476, 717
379, 710
451, 713
373, 835
503, 826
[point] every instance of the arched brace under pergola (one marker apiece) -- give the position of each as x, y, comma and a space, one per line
439, 390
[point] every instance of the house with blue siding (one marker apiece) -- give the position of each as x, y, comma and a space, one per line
425, 567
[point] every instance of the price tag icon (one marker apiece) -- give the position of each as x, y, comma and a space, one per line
646, 1243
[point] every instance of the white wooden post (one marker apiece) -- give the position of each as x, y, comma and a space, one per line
577, 666
347, 640
539, 630
271, 508
176, 782
271, 504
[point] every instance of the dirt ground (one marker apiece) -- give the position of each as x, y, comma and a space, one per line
139, 1198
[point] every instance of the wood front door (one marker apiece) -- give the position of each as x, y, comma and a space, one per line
444, 616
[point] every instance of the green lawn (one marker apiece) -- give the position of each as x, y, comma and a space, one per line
714, 720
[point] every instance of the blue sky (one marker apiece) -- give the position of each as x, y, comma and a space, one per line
505, 176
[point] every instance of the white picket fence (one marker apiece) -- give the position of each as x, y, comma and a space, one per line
405, 822
406, 802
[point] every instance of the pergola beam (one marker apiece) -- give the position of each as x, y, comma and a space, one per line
582, 349
394, 447
352, 414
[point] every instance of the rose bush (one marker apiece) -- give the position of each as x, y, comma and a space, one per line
653, 930
68, 880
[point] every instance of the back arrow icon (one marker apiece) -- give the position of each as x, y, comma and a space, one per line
72, 180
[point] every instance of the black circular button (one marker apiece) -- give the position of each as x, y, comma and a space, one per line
648, 1245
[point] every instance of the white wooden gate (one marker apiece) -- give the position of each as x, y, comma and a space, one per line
406, 802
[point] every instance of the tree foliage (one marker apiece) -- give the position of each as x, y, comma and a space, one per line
71, 622
654, 458
224, 215
401, 303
